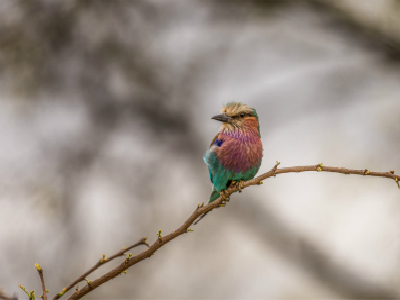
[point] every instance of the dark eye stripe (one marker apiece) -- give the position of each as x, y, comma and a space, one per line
242, 115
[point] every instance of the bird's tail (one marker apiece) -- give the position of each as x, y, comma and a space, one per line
214, 196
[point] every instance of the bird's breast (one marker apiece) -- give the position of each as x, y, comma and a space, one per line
239, 154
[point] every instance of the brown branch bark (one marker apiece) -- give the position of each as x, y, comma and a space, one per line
40, 271
161, 241
102, 261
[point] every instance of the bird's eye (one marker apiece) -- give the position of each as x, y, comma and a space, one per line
242, 115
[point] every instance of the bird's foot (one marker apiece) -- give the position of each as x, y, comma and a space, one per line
240, 185
237, 184
225, 197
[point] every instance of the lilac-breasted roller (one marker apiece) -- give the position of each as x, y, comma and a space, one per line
235, 152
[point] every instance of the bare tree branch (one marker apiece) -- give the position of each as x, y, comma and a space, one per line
102, 261
40, 271
321, 168
201, 209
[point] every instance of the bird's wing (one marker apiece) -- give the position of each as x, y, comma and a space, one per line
213, 141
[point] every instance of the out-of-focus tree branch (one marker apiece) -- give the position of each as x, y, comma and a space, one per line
7, 297
372, 36
299, 250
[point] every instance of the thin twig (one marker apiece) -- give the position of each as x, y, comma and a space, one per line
102, 261
161, 241
40, 271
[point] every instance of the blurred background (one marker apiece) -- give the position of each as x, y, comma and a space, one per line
105, 115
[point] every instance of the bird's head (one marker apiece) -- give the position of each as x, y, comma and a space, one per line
238, 116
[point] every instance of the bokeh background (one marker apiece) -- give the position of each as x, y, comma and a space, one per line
105, 114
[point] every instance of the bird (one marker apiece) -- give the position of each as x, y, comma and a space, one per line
235, 153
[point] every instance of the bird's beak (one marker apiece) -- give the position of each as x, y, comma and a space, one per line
222, 118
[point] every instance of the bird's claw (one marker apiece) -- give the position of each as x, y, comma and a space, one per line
240, 185
225, 196
237, 184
